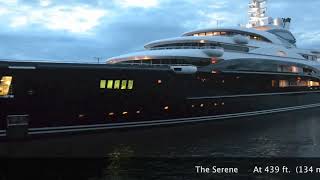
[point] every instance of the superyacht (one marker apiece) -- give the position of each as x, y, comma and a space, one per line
203, 75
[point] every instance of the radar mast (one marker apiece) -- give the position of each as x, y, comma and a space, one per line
259, 19
258, 14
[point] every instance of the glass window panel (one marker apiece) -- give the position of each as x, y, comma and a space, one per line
130, 84
5, 84
283, 83
124, 84
117, 84
103, 84
209, 33
110, 84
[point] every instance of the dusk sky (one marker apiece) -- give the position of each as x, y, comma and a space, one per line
81, 30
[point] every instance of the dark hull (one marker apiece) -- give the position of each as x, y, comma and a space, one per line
69, 97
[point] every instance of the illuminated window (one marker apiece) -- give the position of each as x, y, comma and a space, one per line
110, 84
5, 84
209, 33
124, 84
295, 69
313, 83
283, 83
216, 33
130, 84
117, 84
103, 84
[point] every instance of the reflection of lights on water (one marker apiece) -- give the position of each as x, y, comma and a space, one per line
117, 161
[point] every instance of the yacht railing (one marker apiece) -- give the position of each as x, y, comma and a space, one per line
185, 47
154, 65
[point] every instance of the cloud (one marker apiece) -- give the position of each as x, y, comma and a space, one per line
75, 19
137, 3
45, 3
78, 19
82, 29
19, 21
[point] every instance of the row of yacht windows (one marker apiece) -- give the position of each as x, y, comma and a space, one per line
167, 62
116, 84
222, 33
193, 45
295, 83
309, 57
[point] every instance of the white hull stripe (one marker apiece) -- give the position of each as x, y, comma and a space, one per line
252, 95
163, 122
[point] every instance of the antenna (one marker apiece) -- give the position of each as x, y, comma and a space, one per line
98, 59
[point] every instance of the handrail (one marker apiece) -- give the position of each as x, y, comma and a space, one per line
185, 47
146, 64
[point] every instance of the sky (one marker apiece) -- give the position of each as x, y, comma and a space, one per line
82, 30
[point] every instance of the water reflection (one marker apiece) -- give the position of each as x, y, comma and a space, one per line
292, 134
118, 159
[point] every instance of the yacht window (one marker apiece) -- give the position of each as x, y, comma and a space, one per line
130, 84
286, 37
103, 84
117, 84
309, 57
110, 84
224, 33
283, 83
123, 84
146, 61
204, 45
313, 83
234, 48
156, 61
5, 84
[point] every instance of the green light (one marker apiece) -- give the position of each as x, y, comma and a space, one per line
124, 84
117, 84
110, 84
103, 84
130, 84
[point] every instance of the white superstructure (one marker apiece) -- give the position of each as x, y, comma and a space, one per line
263, 38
